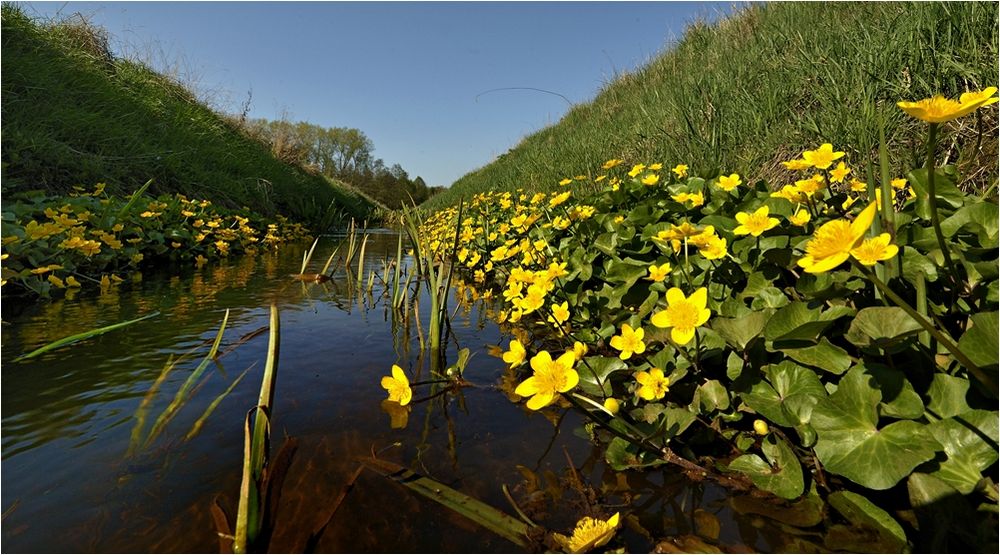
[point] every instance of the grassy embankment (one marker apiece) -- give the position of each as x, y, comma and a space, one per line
74, 114
766, 84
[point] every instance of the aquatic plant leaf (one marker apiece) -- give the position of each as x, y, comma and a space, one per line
594, 372
739, 332
899, 399
947, 395
196, 427
712, 395
788, 396
823, 355
780, 475
486, 516
81, 336
889, 536
881, 326
981, 342
799, 322
981, 217
970, 441
183, 394
851, 444
804, 513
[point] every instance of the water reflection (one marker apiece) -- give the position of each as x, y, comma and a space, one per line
67, 418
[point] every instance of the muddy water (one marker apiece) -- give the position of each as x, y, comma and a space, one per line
68, 486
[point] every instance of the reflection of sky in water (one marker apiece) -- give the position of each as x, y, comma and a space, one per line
67, 417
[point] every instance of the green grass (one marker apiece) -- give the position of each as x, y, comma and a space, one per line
73, 114
767, 83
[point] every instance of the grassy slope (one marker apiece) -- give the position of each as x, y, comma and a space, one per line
764, 85
72, 114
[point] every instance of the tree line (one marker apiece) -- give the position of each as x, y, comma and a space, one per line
341, 153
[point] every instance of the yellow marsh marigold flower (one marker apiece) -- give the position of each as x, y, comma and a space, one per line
398, 386
658, 273
683, 314
72, 282
760, 427
652, 385
560, 222
54, 280
790, 193
560, 313
714, 249
832, 242
730, 182
898, 183
940, 109
754, 224
46, 269
838, 174
612, 405
559, 199
516, 354
533, 300
655, 167
812, 185
550, 377
874, 250
798, 164
636, 170
630, 341
611, 163
579, 350
200, 261
588, 534
848, 202
566, 181
858, 186
650, 179
823, 157
800, 218
681, 170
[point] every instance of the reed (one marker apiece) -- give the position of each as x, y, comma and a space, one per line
250, 513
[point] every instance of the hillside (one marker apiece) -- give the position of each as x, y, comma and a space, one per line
767, 83
74, 114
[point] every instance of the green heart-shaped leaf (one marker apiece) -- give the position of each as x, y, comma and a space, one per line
852, 445
782, 477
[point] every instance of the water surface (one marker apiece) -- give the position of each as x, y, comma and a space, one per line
68, 485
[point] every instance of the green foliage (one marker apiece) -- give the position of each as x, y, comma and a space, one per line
93, 239
73, 113
720, 334
767, 82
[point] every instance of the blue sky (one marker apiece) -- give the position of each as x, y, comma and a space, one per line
413, 76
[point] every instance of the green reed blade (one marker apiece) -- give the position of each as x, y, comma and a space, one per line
249, 504
132, 200
81, 336
475, 510
306, 257
183, 394
329, 261
215, 403
261, 427
361, 258
143, 411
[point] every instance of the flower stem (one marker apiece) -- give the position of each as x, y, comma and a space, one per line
932, 197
